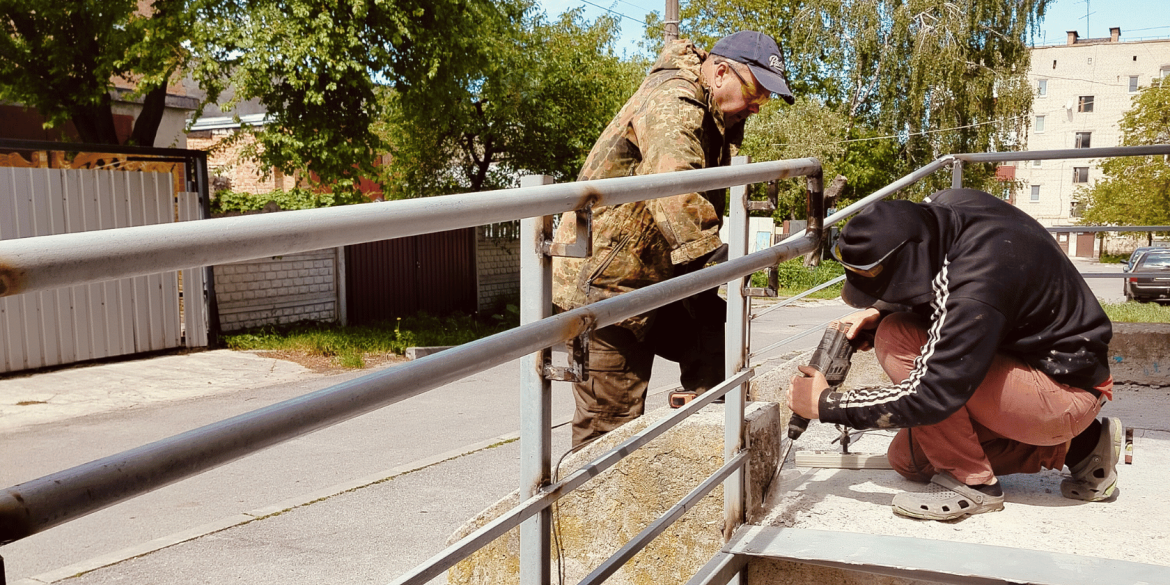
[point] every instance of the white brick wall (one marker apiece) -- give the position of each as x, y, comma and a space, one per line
278, 290
1100, 69
497, 268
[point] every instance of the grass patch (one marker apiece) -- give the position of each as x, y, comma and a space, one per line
1135, 312
795, 278
1107, 258
349, 346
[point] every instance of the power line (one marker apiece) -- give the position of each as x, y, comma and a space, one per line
922, 133
614, 12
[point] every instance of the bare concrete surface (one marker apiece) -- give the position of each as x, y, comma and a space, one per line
1130, 527
84, 391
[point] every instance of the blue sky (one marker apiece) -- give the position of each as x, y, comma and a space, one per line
1137, 18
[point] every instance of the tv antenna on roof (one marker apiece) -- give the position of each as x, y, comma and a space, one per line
1087, 13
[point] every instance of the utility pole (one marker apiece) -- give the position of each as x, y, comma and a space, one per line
670, 23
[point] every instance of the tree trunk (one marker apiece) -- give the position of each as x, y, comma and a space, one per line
146, 126
94, 122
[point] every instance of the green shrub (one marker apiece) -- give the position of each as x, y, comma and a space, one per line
348, 345
795, 278
296, 198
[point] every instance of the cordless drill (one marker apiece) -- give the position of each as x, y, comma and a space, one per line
831, 358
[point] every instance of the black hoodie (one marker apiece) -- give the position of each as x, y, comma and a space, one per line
997, 282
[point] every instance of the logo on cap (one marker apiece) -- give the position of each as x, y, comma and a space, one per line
775, 63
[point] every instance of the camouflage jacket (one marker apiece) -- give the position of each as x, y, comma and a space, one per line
669, 125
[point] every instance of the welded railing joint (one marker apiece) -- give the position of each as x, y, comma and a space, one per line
582, 245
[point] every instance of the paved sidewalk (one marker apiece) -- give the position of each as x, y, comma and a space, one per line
91, 389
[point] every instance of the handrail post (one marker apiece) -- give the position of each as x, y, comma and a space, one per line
735, 358
535, 393
957, 174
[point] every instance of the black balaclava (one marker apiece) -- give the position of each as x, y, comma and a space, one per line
901, 237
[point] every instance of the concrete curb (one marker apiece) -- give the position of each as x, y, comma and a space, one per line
1140, 353
413, 353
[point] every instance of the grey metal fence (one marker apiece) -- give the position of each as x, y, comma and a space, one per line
36, 264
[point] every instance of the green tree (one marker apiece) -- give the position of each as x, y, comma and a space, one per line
62, 58
1136, 189
321, 68
317, 66
537, 108
930, 77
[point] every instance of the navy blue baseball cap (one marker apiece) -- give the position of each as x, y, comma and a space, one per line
761, 54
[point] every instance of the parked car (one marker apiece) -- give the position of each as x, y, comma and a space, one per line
1150, 288
1137, 254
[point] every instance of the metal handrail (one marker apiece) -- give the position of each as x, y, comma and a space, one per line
47, 262
545, 498
43, 263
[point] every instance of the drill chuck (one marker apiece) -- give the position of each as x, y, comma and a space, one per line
831, 358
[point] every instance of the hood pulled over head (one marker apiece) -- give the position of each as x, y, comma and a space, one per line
888, 254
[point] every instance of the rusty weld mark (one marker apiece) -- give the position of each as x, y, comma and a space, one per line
580, 324
10, 281
589, 199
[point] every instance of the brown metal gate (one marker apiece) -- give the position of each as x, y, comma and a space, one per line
1085, 244
400, 277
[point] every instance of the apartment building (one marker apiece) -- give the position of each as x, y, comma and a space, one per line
1082, 89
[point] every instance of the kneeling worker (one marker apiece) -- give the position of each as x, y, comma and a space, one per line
996, 345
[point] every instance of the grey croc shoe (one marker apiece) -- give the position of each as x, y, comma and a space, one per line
946, 499
1095, 478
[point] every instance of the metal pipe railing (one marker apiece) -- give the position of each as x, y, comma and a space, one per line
456, 552
1106, 152
43, 263
36, 264
39, 504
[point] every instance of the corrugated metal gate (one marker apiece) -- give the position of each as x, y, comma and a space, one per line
94, 321
400, 277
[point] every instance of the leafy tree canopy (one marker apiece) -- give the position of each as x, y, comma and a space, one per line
62, 58
319, 68
550, 90
1136, 189
927, 77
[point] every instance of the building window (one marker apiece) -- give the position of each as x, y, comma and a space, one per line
1074, 209
1133, 84
1035, 193
1039, 124
1082, 140
1085, 103
1164, 72
1080, 174
1042, 87
1036, 163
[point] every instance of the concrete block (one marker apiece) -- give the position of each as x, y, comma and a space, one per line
413, 353
1140, 353
598, 518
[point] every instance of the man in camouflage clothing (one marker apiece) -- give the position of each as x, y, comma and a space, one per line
688, 114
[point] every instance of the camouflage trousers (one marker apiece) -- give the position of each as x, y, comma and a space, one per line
689, 332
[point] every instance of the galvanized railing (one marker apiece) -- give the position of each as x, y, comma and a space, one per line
43, 263
36, 264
